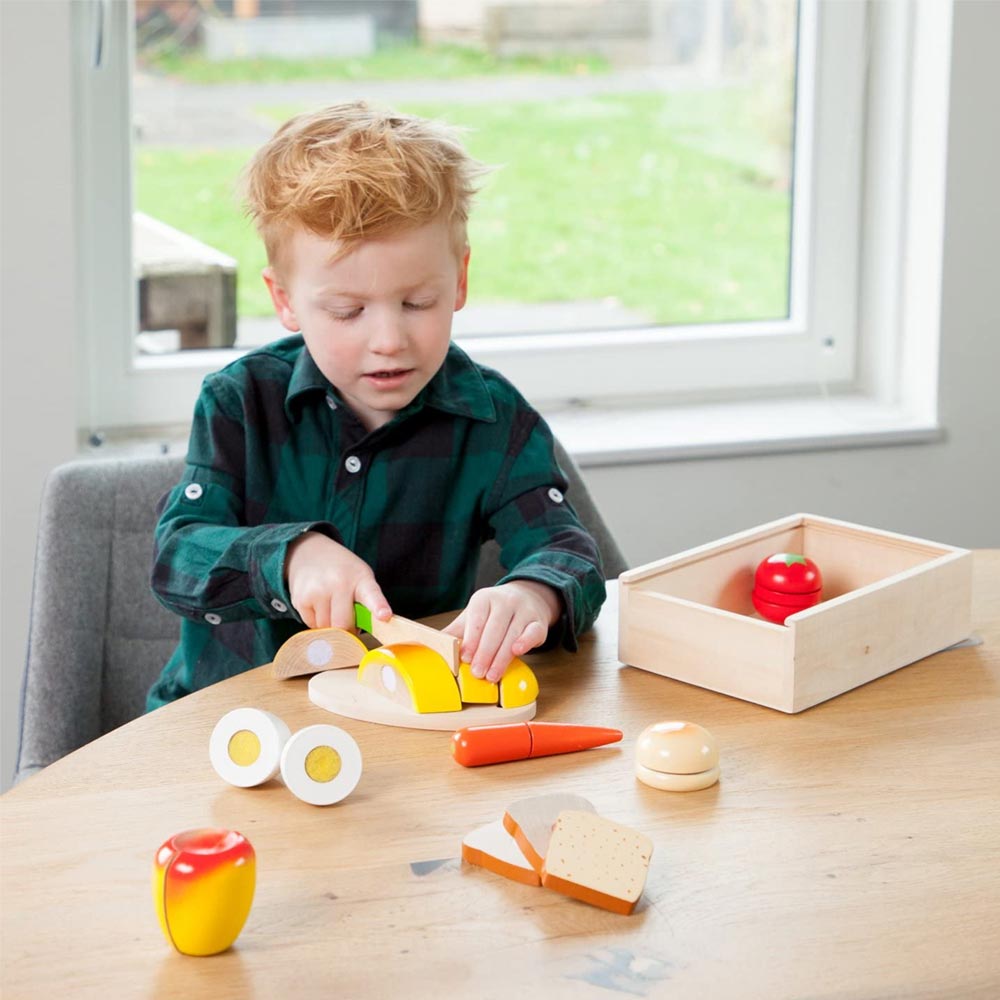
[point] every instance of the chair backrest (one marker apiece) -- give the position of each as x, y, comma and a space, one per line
98, 638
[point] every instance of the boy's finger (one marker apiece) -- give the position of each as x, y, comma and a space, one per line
493, 637
320, 615
504, 654
472, 635
341, 611
534, 634
369, 593
307, 615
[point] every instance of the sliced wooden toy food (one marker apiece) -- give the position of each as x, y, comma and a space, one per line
317, 649
530, 821
493, 848
597, 861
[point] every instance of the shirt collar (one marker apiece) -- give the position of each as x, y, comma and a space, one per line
458, 387
306, 377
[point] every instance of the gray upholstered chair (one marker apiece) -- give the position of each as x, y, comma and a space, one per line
98, 638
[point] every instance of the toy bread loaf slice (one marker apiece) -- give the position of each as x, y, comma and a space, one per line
597, 861
493, 848
530, 822
317, 649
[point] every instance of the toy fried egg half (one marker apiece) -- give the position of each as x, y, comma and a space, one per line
245, 746
321, 764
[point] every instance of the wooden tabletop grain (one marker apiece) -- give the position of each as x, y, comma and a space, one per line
850, 851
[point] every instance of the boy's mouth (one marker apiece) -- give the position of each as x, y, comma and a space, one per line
389, 377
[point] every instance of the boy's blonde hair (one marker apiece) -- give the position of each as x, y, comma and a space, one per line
351, 172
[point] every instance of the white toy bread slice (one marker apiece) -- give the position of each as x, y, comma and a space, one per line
597, 861
530, 821
493, 848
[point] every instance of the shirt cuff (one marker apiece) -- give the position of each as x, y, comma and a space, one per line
268, 555
563, 631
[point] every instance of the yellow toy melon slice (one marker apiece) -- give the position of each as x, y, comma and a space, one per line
476, 690
411, 675
518, 686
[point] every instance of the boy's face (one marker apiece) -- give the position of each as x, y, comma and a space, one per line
377, 320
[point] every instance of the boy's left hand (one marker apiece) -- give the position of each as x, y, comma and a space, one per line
503, 622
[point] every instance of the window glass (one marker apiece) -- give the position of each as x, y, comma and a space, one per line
644, 152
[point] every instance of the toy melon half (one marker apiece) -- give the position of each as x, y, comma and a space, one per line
411, 675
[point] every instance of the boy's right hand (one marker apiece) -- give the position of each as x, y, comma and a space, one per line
325, 579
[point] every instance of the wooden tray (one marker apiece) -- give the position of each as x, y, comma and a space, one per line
887, 600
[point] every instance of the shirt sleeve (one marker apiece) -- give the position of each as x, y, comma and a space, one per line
540, 535
209, 564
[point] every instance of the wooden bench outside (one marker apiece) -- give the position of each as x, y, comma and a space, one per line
184, 285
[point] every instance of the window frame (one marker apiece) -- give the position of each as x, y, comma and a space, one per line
853, 202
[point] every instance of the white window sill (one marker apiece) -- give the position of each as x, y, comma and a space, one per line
602, 435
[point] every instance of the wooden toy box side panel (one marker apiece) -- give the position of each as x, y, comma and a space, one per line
713, 649
719, 574
877, 629
853, 557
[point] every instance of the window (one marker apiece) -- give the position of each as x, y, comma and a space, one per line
802, 316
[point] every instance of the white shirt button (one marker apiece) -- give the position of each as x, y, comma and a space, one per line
331, 402
193, 491
353, 463
279, 606
213, 619
555, 495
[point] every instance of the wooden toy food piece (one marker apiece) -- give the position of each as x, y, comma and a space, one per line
411, 675
518, 686
785, 583
321, 764
203, 886
492, 847
401, 630
476, 690
245, 746
597, 861
530, 821
473, 746
677, 757
317, 649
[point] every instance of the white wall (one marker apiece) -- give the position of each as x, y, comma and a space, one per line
38, 309
948, 491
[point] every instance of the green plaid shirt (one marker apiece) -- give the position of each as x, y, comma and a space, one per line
274, 453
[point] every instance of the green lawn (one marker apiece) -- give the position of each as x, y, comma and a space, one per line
397, 62
668, 203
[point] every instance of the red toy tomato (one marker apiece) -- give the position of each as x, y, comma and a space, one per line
785, 583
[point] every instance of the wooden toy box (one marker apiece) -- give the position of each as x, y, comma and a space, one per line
887, 600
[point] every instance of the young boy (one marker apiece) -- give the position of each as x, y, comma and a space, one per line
365, 458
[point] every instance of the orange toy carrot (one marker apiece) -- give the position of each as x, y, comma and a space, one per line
476, 745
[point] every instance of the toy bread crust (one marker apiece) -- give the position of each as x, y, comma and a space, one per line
493, 848
530, 822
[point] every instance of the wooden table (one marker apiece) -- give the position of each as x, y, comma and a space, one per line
850, 851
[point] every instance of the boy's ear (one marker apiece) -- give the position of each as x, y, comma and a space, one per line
282, 303
463, 280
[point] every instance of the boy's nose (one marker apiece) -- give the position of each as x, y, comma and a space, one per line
389, 337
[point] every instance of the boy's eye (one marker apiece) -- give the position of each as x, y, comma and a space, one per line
417, 305
345, 314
